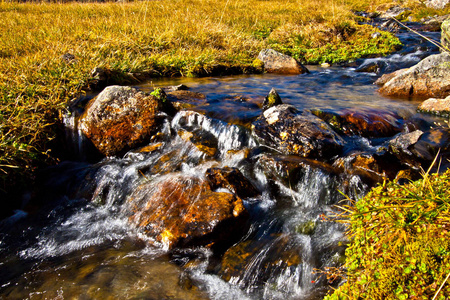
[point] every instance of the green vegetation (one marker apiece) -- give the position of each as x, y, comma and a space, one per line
400, 245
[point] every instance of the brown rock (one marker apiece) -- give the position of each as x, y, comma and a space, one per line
436, 106
183, 211
364, 122
275, 62
372, 168
232, 179
120, 118
429, 78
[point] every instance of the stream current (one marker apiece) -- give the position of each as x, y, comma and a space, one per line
79, 243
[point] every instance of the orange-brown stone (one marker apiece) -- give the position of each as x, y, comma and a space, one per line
120, 118
183, 210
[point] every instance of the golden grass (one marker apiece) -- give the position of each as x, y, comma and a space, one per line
161, 38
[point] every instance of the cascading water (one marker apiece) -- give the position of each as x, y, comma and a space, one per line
81, 243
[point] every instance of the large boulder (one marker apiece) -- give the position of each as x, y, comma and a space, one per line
439, 107
182, 211
429, 78
276, 62
366, 122
283, 128
121, 118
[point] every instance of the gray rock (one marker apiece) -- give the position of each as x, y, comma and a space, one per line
283, 128
436, 4
429, 78
394, 12
402, 142
275, 62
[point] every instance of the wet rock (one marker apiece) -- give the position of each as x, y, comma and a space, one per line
284, 129
429, 78
436, 4
365, 122
431, 143
271, 100
371, 67
290, 168
445, 34
121, 118
203, 140
371, 168
406, 176
233, 180
183, 99
418, 149
440, 107
275, 62
266, 258
183, 211
400, 146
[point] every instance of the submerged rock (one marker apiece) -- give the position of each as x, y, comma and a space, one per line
256, 262
205, 141
183, 99
290, 169
276, 62
439, 107
286, 130
429, 78
233, 180
182, 211
121, 118
365, 122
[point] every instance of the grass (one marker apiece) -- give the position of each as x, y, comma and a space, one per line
151, 38
400, 245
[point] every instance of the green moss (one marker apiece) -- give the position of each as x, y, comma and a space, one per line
400, 242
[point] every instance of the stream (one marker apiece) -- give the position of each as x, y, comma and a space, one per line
77, 242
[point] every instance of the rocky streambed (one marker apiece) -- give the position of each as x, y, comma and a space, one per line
217, 188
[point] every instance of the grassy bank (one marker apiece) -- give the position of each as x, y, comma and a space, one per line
151, 38
400, 245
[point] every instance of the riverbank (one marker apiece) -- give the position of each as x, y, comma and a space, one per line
49, 51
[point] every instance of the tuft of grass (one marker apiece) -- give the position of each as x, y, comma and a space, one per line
400, 242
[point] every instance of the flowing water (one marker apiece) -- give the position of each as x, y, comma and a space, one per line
78, 243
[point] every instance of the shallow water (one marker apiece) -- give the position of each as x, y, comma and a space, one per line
80, 243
